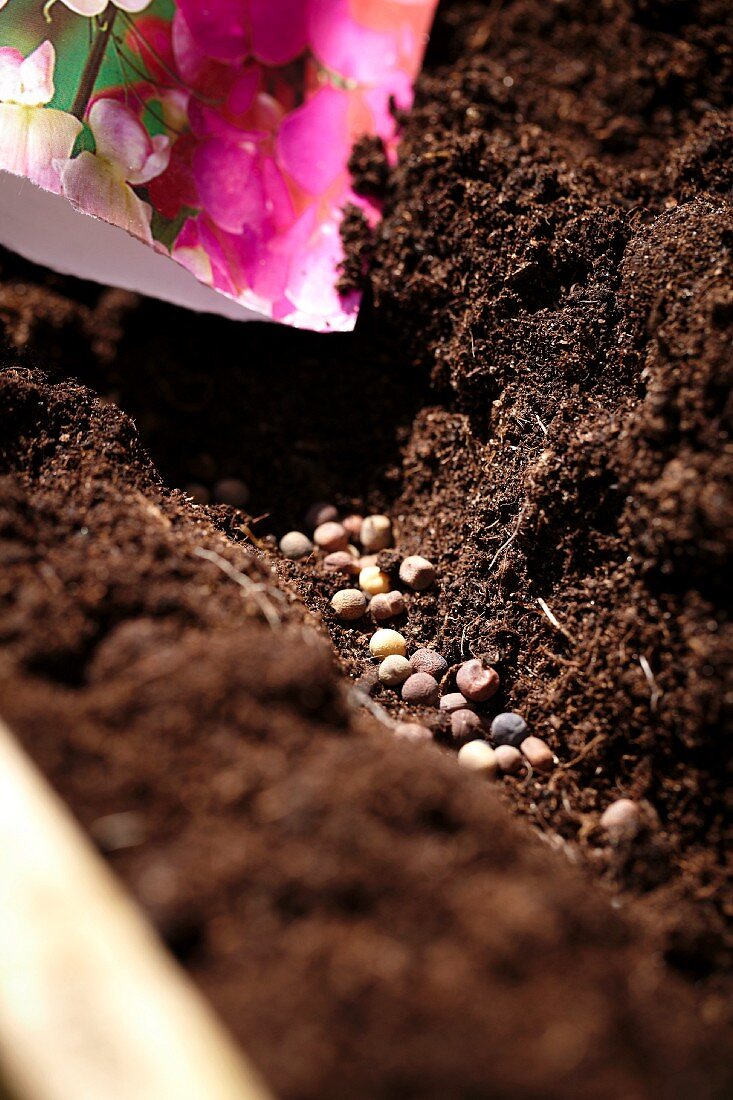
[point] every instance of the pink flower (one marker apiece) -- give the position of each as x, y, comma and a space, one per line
99, 183
32, 135
230, 30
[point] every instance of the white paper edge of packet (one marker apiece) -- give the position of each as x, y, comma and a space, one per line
46, 229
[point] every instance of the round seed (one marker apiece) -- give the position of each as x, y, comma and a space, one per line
454, 701
349, 604
341, 561
376, 533
478, 757
420, 689
320, 512
427, 660
508, 758
331, 537
387, 605
476, 682
231, 491
538, 753
385, 642
509, 729
295, 545
465, 725
374, 581
417, 572
621, 819
394, 670
412, 731
352, 525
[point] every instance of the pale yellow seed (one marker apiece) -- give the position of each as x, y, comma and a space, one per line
477, 756
349, 603
373, 581
376, 533
385, 642
394, 670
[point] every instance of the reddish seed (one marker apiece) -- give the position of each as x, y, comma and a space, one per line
386, 605
508, 758
331, 537
465, 725
341, 561
454, 701
319, 513
538, 754
476, 682
421, 689
427, 660
199, 494
352, 525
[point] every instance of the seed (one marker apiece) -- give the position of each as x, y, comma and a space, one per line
621, 819
465, 725
386, 642
454, 701
508, 758
373, 580
368, 559
509, 729
387, 605
478, 757
412, 731
417, 572
341, 561
231, 491
330, 536
394, 670
538, 753
421, 689
349, 603
352, 526
376, 533
320, 513
476, 682
295, 545
427, 660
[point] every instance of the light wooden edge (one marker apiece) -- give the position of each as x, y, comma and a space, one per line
91, 1005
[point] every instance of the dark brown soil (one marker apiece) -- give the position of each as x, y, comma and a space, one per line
538, 393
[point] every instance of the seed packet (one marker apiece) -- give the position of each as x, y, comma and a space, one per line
216, 133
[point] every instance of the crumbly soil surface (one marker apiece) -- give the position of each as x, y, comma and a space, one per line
538, 394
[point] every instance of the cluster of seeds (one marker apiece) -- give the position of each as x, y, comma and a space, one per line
502, 744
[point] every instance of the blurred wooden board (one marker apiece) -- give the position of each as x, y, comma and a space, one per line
91, 1006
